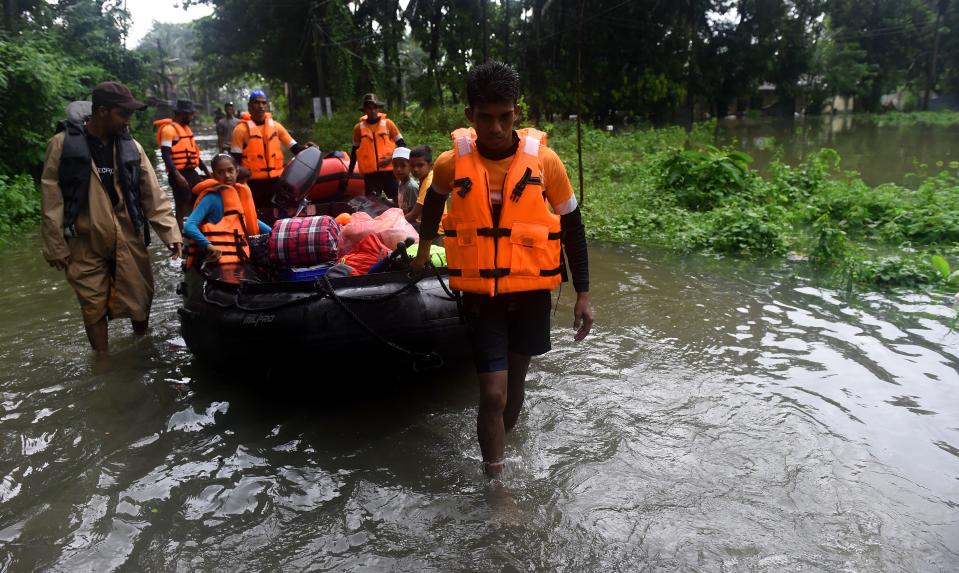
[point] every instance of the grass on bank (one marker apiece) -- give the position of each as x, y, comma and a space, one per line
939, 117
672, 188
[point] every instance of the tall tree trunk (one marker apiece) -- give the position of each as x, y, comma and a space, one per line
11, 13
483, 17
506, 55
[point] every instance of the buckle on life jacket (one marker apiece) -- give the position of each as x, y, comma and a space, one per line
465, 184
521, 185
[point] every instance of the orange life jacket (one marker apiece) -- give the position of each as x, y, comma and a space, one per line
262, 152
186, 155
522, 251
230, 233
375, 143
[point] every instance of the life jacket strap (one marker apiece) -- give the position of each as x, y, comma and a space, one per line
500, 273
465, 184
500, 232
521, 185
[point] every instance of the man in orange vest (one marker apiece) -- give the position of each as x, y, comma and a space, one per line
375, 136
181, 157
511, 206
257, 145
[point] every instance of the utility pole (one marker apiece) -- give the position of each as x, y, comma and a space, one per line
941, 8
579, 101
317, 53
163, 78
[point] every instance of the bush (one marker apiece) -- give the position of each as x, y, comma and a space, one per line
36, 84
747, 229
703, 180
19, 204
893, 271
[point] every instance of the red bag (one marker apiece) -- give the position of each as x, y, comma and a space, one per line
365, 254
304, 241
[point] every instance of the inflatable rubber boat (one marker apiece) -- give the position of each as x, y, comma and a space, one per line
240, 317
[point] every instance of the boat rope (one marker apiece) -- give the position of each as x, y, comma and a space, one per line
421, 360
322, 289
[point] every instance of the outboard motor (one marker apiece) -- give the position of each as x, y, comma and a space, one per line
298, 177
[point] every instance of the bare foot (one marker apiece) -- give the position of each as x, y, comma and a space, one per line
507, 512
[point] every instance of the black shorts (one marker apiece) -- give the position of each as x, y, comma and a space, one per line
514, 322
381, 182
262, 191
181, 195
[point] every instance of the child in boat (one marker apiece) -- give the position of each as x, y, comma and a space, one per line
408, 186
223, 216
421, 168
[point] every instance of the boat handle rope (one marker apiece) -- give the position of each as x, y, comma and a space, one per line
324, 289
421, 360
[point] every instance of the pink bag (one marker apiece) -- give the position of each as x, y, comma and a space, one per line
391, 227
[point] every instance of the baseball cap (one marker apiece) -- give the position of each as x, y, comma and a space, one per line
258, 93
115, 94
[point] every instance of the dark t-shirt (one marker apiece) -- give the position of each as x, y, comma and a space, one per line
102, 154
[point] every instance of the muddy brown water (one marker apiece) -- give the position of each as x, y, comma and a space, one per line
723, 416
878, 151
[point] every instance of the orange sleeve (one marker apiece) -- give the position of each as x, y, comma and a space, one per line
285, 138
443, 172
394, 131
559, 191
167, 133
240, 135
357, 136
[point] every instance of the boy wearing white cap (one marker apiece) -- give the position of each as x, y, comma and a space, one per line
409, 187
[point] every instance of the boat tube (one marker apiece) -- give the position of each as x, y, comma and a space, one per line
230, 320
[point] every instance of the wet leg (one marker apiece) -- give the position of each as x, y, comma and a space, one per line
489, 421
140, 326
97, 334
516, 391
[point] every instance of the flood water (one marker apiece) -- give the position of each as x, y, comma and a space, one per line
723, 416
878, 151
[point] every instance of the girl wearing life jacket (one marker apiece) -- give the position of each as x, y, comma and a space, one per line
223, 217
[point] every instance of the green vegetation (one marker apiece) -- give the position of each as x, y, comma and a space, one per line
19, 204
50, 55
658, 186
645, 59
944, 117
673, 188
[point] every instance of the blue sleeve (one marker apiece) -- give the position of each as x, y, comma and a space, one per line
209, 205
264, 228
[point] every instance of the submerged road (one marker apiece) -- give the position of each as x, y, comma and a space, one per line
723, 416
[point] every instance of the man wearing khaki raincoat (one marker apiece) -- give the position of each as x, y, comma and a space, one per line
103, 252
